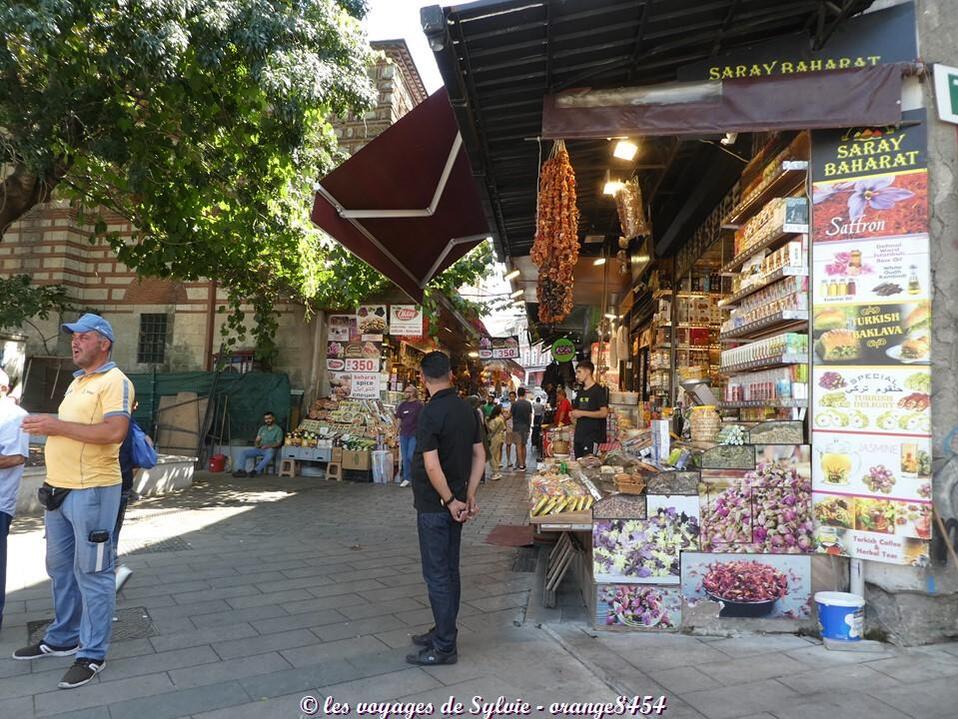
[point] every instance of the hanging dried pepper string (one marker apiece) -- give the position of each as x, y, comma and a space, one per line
556, 247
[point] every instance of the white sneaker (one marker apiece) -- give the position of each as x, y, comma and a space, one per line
405, 483
123, 573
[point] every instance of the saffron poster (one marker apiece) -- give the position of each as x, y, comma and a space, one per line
871, 391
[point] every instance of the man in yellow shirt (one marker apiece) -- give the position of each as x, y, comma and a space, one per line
82, 461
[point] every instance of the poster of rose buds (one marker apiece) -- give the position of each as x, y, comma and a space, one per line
871, 391
749, 586
765, 509
638, 606
642, 550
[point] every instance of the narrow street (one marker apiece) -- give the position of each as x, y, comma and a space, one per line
249, 594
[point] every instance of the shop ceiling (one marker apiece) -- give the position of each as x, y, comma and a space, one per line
499, 58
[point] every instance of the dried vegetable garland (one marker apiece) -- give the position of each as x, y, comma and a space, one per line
556, 247
632, 217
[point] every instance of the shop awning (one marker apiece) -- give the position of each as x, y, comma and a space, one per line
406, 203
811, 100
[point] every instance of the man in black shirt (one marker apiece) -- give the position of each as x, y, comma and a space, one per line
446, 469
591, 409
521, 424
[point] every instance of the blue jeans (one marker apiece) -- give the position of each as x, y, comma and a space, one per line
439, 540
255, 453
120, 516
5, 520
84, 583
407, 448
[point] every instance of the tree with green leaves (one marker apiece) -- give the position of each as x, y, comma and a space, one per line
202, 123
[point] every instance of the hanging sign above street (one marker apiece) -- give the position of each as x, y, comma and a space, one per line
563, 350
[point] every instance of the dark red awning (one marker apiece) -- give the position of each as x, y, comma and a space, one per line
406, 203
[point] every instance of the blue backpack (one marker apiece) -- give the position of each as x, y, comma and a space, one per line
144, 455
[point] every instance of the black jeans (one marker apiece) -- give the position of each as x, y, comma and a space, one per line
5, 520
439, 540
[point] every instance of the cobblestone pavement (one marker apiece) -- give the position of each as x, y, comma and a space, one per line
249, 594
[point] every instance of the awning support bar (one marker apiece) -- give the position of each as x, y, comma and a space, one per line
445, 253
428, 211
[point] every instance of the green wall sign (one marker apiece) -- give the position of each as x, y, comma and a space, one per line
563, 350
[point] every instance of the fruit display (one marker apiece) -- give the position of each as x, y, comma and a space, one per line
556, 247
553, 493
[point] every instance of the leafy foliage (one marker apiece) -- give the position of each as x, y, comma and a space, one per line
202, 123
20, 302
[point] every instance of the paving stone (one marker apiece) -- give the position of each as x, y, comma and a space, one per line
199, 637
29, 684
742, 700
234, 579
172, 588
181, 703
382, 686
859, 677
332, 651
301, 621
387, 593
264, 643
336, 601
371, 589
91, 713
751, 669
343, 630
367, 609
907, 668
160, 662
208, 594
191, 609
12, 668
301, 679
819, 656
936, 699
225, 619
751, 646
847, 703
259, 600
100, 694
284, 707
206, 674
682, 680
503, 601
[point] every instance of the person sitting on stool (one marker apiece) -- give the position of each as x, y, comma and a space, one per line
269, 438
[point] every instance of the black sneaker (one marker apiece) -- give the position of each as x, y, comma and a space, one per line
253, 473
42, 649
82, 671
431, 657
424, 639
239, 473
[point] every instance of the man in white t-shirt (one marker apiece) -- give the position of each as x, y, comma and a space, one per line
14, 450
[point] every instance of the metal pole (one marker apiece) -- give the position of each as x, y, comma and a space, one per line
857, 574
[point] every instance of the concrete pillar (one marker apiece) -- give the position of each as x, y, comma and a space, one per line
912, 606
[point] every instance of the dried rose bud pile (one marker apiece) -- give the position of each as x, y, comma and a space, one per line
745, 581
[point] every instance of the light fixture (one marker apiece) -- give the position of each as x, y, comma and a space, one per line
517, 293
473, 354
609, 315
598, 262
511, 275
625, 149
611, 186
640, 258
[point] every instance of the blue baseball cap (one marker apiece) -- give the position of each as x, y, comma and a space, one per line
90, 323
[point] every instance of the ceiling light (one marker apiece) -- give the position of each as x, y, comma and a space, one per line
611, 186
609, 315
511, 275
640, 258
473, 354
625, 150
598, 262
517, 293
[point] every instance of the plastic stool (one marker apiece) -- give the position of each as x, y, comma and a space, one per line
287, 468
334, 470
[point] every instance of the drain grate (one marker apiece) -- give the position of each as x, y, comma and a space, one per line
525, 559
131, 623
149, 546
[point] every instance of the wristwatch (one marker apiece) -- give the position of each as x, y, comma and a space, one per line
447, 502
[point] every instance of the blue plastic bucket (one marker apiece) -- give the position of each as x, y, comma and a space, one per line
840, 615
